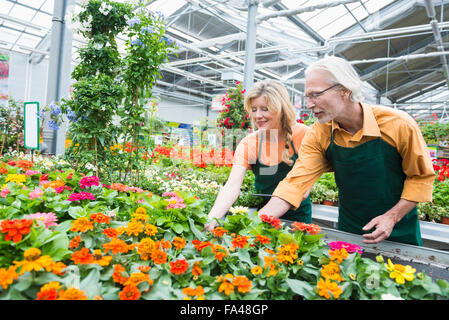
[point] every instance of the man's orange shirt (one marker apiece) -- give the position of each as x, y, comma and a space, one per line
271, 152
393, 126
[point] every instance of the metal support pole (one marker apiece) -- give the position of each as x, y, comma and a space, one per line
58, 75
250, 46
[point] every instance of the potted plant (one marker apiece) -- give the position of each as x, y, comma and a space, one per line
318, 193
331, 198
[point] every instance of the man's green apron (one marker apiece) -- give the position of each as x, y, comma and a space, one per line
268, 177
370, 180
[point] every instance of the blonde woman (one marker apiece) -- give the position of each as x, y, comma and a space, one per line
269, 152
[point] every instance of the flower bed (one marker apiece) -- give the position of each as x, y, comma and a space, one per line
123, 242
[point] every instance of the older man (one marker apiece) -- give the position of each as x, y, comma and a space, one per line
382, 165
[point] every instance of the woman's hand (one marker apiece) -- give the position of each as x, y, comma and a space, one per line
210, 226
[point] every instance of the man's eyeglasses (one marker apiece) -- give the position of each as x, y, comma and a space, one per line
315, 95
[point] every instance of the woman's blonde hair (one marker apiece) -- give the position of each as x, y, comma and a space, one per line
278, 101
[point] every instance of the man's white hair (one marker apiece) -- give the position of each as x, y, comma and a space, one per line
342, 73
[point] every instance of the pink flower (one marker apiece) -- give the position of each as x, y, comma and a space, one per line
170, 194
36, 193
81, 196
175, 202
49, 219
89, 181
5, 191
32, 172
337, 245
140, 201
61, 189
135, 189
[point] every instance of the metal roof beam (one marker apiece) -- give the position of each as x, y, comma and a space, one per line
301, 24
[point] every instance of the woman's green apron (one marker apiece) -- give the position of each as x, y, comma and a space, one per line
370, 180
268, 177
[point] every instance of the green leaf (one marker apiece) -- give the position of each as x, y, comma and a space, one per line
244, 256
178, 228
91, 283
198, 234
302, 288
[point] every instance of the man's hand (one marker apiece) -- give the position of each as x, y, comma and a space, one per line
384, 225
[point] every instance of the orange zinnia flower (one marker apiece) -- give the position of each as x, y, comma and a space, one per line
159, 256
144, 268
325, 288
338, 254
219, 231
220, 252
130, 292
240, 241
72, 294
310, 228
138, 277
100, 218
199, 291
199, 245
150, 229
179, 266
196, 270
15, 229
242, 283
82, 224
117, 275
82, 257
7, 276
110, 232
54, 184
100, 259
145, 248
178, 243
262, 239
134, 227
164, 244
75, 242
226, 284
287, 253
49, 291
116, 246
331, 271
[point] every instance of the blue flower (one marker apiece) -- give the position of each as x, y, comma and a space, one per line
71, 115
146, 29
55, 110
53, 125
136, 42
133, 21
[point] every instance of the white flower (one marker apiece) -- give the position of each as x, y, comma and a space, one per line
238, 210
90, 166
388, 296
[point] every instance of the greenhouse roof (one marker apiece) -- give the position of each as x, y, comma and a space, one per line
399, 47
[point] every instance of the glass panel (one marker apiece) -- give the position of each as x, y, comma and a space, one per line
5, 6
32, 3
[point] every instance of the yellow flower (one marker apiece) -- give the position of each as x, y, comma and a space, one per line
33, 261
400, 273
17, 178
256, 270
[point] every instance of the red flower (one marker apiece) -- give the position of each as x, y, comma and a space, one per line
275, 222
179, 266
